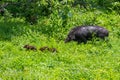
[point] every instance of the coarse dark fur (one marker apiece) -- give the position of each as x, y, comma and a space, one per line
84, 33
28, 47
46, 48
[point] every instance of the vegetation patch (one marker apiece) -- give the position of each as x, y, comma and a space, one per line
95, 60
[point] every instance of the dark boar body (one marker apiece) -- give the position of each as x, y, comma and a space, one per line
84, 33
48, 49
28, 47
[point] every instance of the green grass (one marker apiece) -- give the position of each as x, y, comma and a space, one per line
92, 61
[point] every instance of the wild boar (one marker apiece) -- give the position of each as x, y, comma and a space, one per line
85, 33
28, 47
48, 49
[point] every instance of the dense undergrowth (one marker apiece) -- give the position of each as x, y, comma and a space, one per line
96, 60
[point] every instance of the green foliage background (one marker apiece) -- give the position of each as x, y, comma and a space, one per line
96, 60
